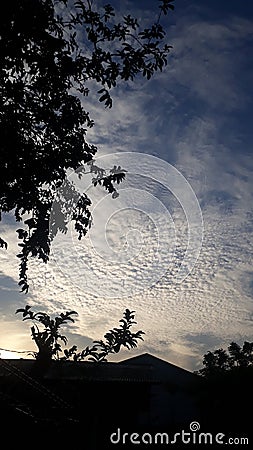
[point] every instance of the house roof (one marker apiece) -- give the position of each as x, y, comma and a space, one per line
165, 371
89, 371
81, 370
142, 368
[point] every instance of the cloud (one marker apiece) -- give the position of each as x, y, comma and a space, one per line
187, 116
14, 334
206, 61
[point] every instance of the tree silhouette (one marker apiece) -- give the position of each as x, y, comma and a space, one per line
225, 394
52, 53
221, 361
48, 338
114, 340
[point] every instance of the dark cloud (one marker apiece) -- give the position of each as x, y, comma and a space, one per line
205, 341
223, 201
10, 296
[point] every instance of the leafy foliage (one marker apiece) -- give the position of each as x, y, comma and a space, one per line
221, 361
114, 340
47, 339
50, 51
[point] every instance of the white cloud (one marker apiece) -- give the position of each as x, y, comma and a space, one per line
184, 117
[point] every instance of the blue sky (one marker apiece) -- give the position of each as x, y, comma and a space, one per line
195, 120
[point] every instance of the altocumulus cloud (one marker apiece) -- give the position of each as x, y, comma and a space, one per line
196, 116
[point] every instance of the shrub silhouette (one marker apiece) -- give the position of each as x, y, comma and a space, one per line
46, 334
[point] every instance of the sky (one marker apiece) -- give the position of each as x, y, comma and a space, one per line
176, 245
